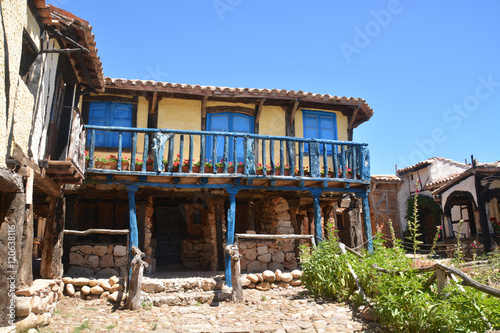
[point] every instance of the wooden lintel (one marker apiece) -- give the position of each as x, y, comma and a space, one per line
154, 102
294, 110
204, 107
259, 110
353, 118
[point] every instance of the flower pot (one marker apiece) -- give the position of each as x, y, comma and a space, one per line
230, 170
111, 165
149, 167
125, 165
196, 169
185, 168
269, 171
239, 170
259, 172
138, 167
208, 169
220, 170
99, 165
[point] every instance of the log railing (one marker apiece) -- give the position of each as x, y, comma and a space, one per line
256, 154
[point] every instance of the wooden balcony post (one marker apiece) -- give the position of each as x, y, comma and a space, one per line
231, 216
318, 231
314, 160
367, 221
134, 233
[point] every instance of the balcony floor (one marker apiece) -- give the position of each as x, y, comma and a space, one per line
223, 180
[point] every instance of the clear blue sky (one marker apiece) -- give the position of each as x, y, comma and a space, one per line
429, 69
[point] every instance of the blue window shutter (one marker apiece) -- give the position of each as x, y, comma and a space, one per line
228, 122
99, 115
319, 125
111, 114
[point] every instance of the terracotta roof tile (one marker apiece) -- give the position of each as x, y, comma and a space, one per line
253, 92
386, 178
421, 164
441, 181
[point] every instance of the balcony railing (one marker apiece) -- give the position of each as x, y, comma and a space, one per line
326, 159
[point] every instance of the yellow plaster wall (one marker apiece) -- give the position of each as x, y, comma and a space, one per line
272, 122
181, 114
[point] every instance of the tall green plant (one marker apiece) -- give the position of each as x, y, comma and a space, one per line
414, 224
459, 255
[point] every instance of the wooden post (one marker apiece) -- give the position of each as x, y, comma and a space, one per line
51, 265
134, 234
441, 279
134, 294
318, 232
231, 215
232, 251
367, 221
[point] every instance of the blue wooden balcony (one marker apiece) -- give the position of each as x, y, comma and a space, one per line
248, 160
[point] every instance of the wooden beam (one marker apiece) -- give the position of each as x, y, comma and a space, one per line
46, 184
353, 118
154, 102
294, 110
204, 107
97, 231
259, 110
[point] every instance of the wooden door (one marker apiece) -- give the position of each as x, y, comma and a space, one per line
168, 227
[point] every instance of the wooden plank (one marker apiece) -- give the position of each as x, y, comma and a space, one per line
225, 158
294, 110
314, 160
191, 144
259, 110
353, 118
204, 107
97, 231
120, 143
231, 216
291, 156
154, 102
269, 236
145, 151
264, 165
282, 158
271, 156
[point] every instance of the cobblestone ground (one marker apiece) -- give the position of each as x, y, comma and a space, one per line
287, 310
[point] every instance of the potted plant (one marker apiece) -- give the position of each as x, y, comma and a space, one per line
175, 165
138, 164
100, 162
260, 169
196, 166
149, 164
111, 162
185, 165
220, 166
209, 167
87, 159
125, 163
239, 168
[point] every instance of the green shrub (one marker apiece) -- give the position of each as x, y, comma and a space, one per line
403, 302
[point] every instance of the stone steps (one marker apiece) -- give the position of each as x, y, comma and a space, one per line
186, 298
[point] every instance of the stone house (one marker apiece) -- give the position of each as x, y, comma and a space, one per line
194, 167
424, 177
48, 61
474, 197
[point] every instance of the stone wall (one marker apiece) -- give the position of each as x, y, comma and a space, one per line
35, 305
267, 255
98, 257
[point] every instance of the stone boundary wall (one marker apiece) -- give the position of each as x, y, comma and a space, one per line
98, 257
35, 305
258, 256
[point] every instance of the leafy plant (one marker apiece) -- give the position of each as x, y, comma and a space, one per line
459, 255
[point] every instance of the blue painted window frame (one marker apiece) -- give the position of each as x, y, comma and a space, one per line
112, 116
321, 119
231, 116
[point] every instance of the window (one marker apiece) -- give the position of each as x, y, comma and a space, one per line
228, 122
319, 125
110, 114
